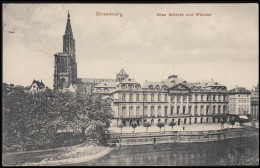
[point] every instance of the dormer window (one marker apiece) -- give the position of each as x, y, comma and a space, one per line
105, 84
151, 86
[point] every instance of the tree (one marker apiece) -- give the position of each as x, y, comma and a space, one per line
172, 124
241, 121
232, 122
160, 125
33, 119
121, 126
223, 121
134, 125
147, 125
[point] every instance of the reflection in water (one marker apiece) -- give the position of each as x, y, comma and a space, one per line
177, 154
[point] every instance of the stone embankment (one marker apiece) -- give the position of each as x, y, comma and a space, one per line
181, 136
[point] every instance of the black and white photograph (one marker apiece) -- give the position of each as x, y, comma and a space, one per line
113, 84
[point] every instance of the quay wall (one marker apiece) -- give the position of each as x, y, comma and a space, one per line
181, 136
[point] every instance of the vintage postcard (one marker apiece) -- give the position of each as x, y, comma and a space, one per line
89, 84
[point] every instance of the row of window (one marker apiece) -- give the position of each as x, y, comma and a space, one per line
173, 97
159, 111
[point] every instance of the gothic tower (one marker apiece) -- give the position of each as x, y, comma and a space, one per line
65, 68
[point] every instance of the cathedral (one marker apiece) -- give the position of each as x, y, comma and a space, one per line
173, 99
65, 67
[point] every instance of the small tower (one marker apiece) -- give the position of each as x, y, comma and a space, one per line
65, 69
121, 75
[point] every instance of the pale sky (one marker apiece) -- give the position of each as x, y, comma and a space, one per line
223, 46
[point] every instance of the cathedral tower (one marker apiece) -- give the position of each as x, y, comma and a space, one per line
65, 68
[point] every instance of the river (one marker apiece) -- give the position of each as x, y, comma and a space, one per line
176, 154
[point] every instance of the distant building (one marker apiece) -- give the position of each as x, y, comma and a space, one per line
173, 99
37, 86
255, 102
239, 101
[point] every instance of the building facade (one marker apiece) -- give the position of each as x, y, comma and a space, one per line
173, 99
239, 101
255, 103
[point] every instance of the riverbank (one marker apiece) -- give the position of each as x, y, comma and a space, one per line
76, 154
182, 136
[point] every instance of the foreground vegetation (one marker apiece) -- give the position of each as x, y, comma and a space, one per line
242, 160
34, 121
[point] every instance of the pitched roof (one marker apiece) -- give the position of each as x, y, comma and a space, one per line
239, 89
212, 83
93, 80
122, 73
68, 30
152, 83
129, 81
38, 83
106, 85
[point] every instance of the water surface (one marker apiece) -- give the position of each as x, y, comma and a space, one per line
176, 154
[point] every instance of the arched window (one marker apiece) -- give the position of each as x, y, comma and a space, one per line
201, 110
137, 97
159, 111
190, 97
165, 97
130, 97
196, 110
123, 96
159, 97
145, 112
124, 111
152, 97
219, 107
131, 112
152, 111
165, 110
214, 109
172, 108
207, 110
178, 98
145, 97
138, 111
189, 109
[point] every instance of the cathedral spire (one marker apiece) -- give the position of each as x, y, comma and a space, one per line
68, 30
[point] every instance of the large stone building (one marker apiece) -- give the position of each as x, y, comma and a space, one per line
171, 99
239, 101
255, 102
